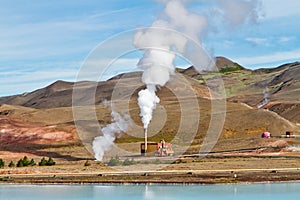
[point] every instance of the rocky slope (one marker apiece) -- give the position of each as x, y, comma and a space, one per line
41, 122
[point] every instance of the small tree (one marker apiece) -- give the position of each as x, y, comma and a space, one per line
32, 162
11, 164
26, 161
2, 163
43, 162
50, 162
20, 163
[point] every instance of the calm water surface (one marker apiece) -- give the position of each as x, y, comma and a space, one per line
275, 191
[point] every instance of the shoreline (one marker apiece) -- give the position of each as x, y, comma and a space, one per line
160, 177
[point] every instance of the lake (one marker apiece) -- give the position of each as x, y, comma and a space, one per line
270, 191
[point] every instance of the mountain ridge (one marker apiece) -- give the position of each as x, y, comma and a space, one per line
241, 84
40, 116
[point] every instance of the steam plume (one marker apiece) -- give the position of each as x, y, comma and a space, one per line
101, 144
266, 99
157, 43
158, 59
236, 13
147, 101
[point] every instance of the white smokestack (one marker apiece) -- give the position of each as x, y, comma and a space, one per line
101, 144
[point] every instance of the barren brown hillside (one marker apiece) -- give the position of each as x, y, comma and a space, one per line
41, 123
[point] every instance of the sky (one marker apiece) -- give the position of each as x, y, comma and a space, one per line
45, 41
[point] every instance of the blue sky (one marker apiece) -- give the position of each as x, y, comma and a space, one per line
45, 41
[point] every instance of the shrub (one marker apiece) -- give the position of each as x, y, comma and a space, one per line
114, 161
128, 162
157, 161
32, 162
25, 162
11, 164
48, 162
87, 163
20, 163
2, 163
43, 162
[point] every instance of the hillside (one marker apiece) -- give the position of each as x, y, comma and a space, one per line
40, 123
59, 94
279, 87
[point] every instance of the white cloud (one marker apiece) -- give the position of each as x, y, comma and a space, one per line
57, 38
29, 79
105, 68
285, 39
257, 41
228, 43
20, 81
269, 41
22, 76
276, 9
44, 39
284, 56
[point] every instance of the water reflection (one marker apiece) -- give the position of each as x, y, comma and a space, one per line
147, 192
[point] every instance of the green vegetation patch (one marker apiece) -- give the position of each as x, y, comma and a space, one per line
4, 179
115, 161
234, 68
2, 163
45, 162
25, 162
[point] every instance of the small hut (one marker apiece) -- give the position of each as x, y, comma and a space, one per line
266, 135
289, 134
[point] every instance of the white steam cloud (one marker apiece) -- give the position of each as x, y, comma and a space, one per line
266, 100
237, 12
147, 101
158, 43
101, 144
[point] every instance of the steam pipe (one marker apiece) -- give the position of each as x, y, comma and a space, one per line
146, 140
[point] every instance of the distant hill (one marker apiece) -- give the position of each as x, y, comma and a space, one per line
43, 119
222, 64
281, 85
59, 94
